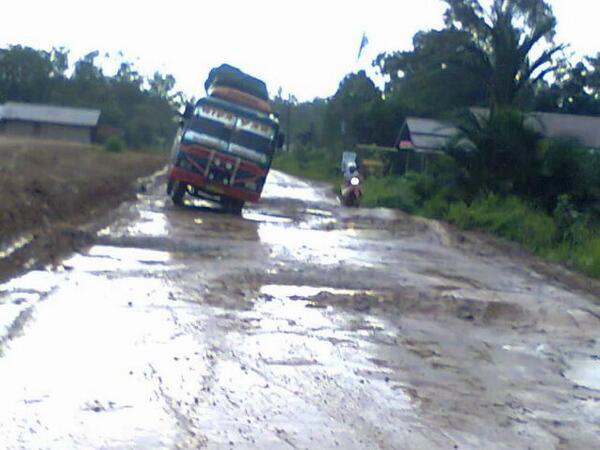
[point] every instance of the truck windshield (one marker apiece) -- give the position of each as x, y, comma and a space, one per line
225, 127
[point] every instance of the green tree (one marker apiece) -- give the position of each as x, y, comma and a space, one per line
349, 118
431, 79
576, 89
497, 153
503, 37
24, 74
138, 109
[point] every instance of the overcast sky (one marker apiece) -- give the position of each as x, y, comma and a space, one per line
304, 46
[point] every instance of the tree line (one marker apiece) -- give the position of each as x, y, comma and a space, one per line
136, 109
501, 56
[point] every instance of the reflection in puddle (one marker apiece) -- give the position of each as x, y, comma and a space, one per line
106, 258
324, 247
282, 186
290, 291
585, 372
151, 223
256, 216
87, 342
319, 212
35, 281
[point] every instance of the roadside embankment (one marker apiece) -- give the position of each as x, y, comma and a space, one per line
48, 189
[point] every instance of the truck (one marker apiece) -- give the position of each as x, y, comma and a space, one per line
225, 143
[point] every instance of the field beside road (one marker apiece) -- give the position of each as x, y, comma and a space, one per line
48, 188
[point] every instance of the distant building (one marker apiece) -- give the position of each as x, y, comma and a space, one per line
583, 129
421, 138
48, 122
424, 136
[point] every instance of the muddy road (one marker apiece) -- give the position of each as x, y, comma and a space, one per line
299, 325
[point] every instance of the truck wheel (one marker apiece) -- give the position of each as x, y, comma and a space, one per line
232, 206
177, 192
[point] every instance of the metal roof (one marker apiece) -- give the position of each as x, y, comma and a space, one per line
584, 129
430, 136
426, 135
60, 115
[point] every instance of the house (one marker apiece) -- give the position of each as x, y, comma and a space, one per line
48, 122
424, 136
583, 129
421, 138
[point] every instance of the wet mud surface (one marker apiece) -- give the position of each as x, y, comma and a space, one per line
298, 325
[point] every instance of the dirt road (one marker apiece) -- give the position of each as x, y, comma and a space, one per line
300, 325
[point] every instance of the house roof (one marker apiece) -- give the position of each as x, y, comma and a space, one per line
424, 135
430, 136
49, 114
584, 129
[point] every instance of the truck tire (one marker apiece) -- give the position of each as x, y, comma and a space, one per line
177, 193
231, 206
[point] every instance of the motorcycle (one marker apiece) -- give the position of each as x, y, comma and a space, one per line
351, 192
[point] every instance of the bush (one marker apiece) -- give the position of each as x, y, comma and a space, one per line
114, 144
587, 257
392, 192
436, 207
510, 218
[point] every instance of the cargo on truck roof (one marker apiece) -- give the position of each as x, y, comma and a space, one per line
232, 77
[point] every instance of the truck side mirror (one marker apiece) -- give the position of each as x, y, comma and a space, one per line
189, 111
280, 140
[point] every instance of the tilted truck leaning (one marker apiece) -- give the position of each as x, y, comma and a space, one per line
224, 148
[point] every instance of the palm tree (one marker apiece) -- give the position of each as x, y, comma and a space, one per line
503, 37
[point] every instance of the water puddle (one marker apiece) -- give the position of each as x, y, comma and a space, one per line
19, 294
256, 216
305, 292
102, 258
94, 343
37, 281
324, 247
585, 373
12, 247
319, 212
151, 223
280, 186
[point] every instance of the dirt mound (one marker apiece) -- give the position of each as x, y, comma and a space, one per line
49, 187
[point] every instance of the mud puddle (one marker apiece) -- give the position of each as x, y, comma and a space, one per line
102, 258
305, 292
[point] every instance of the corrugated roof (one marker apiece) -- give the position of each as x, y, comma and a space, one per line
49, 114
585, 129
429, 135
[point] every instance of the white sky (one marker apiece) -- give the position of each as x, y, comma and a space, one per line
304, 46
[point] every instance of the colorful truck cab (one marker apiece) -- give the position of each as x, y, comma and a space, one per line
224, 149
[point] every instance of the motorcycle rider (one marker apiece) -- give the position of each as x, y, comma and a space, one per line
351, 172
